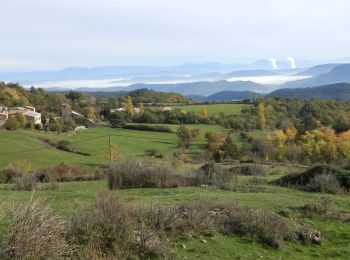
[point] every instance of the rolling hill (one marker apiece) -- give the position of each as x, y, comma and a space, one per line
319, 69
338, 74
203, 88
339, 91
224, 96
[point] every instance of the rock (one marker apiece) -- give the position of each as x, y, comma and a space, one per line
204, 241
315, 237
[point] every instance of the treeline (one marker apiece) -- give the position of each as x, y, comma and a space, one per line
281, 113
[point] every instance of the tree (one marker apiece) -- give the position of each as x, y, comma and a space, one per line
204, 112
89, 112
12, 123
261, 116
229, 148
142, 109
184, 136
215, 140
21, 119
111, 153
129, 106
280, 142
291, 133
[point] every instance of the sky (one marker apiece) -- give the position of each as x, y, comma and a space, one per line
47, 35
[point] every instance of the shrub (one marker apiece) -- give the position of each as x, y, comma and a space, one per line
213, 175
184, 135
195, 133
325, 183
35, 232
146, 127
153, 152
25, 182
12, 123
102, 230
257, 224
15, 170
249, 170
64, 145
306, 179
141, 174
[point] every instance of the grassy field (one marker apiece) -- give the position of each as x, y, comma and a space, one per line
227, 109
25, 145
335, 233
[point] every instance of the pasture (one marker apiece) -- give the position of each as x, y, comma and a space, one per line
25, 145
214, 109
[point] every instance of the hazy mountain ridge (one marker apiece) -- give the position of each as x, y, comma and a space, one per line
338, 91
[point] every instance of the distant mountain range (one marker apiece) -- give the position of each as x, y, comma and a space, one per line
224, 96
203, 88
339, 91
337, 74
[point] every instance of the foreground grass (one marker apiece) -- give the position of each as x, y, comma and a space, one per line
336, 245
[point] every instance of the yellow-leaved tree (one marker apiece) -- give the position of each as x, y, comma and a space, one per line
280, 142
291, 132
204, 112
261, 116
111, 153
343, 144
129, 106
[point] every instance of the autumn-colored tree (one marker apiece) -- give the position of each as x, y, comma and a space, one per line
204, 112
111, 153
89, 112
280, 142
291, 133
142, 108
261, 116
129, 106
215, 140
343, 145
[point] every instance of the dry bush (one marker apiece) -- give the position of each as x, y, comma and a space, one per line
35, 232
27, 182
257, 224
102, 230
212, 175
325, 183
249, 170
141, 174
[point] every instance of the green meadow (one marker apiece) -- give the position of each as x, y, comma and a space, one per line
25, 145
227, 109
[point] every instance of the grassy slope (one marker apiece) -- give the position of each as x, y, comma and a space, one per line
336, 233
93, 141
215, 108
